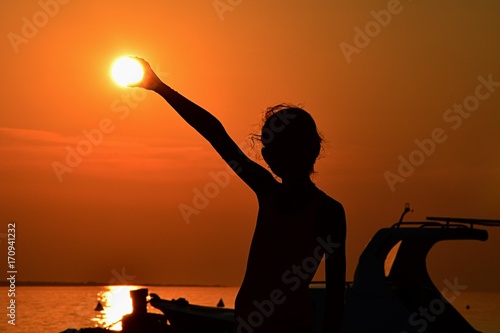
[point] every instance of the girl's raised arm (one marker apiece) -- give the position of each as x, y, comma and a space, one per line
254, 175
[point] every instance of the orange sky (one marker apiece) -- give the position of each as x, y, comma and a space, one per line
116, 214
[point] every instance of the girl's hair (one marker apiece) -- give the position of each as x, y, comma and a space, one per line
290, 132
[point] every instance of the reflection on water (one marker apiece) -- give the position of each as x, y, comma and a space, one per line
55, 309
116, 303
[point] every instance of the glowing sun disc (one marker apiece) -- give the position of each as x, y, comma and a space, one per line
126, 70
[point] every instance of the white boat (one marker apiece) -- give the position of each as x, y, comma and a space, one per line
404, 299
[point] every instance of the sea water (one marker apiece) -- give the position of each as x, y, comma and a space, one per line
55, 309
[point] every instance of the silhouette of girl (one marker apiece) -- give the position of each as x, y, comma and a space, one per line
297, 224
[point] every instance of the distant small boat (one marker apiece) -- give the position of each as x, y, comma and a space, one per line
221, 304
99, 307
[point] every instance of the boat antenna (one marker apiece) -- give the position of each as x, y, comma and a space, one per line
406, 210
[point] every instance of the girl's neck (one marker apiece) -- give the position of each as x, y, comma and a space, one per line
297, 182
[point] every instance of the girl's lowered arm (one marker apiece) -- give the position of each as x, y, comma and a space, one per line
335, 270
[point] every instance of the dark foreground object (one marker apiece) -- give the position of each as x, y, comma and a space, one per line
188, 318
139, 321
377, 301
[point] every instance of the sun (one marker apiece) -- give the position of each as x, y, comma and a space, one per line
126, 71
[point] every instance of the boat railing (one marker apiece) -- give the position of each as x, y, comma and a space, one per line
449, 222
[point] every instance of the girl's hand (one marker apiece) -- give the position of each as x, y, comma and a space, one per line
150, 80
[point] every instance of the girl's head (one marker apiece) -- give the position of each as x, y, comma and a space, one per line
290, 141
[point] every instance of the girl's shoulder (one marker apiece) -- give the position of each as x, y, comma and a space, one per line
329, 204
330, 215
